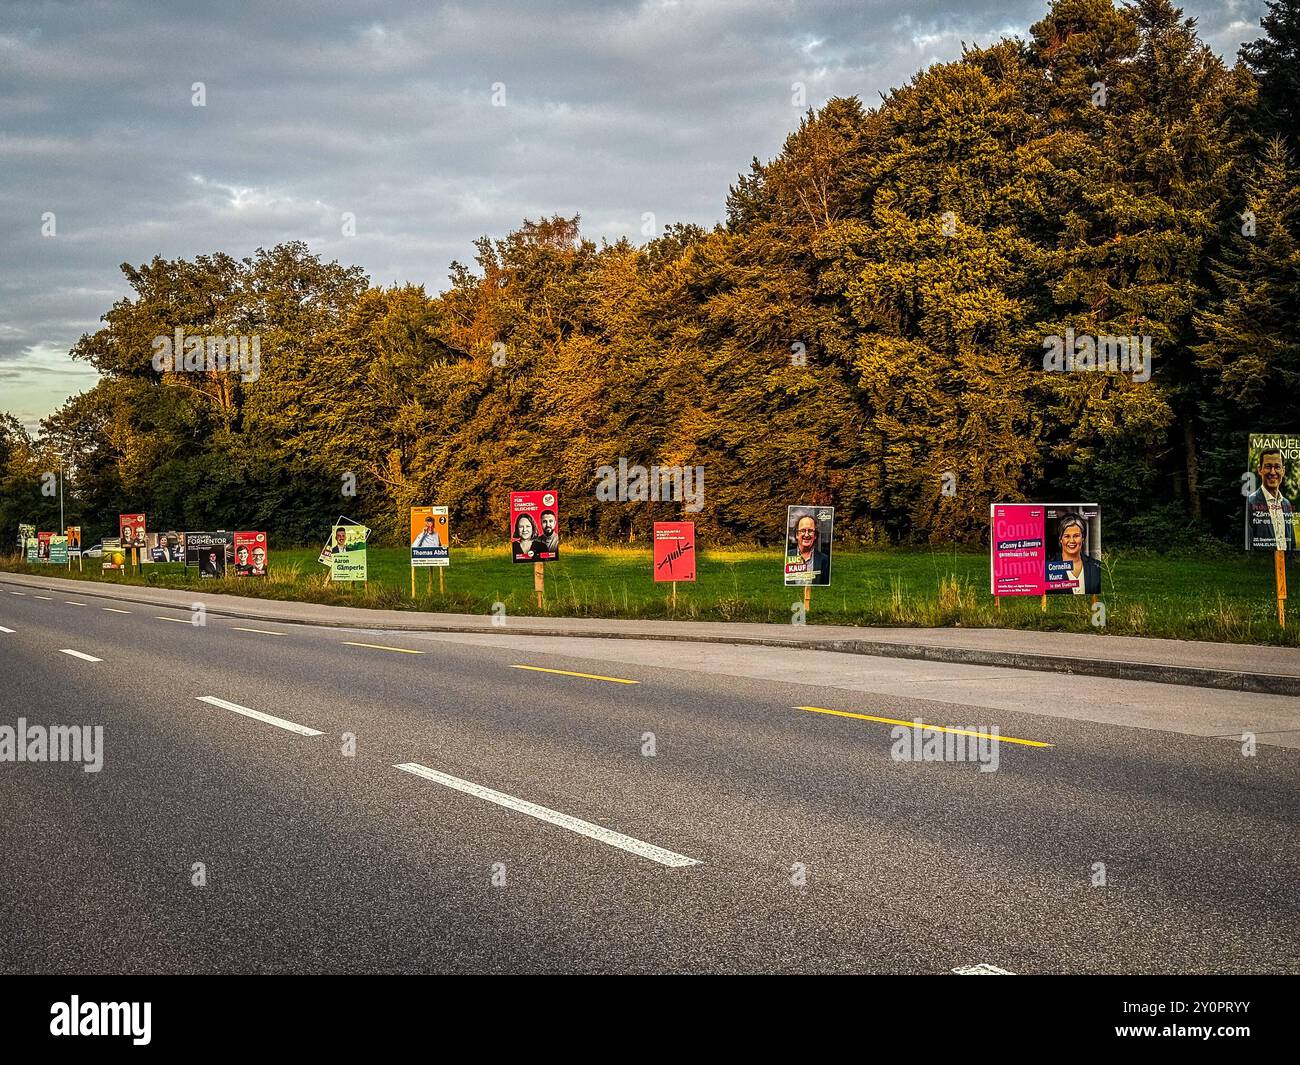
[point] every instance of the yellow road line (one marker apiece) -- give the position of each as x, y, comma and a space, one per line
381, 647
570, 673
912, 724
264, 632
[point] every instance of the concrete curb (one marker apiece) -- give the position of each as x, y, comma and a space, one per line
1160, 673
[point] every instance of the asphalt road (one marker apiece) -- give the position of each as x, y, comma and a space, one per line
758, 837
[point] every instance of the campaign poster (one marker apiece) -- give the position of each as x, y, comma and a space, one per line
73, 533
250, 554
1045, 549
114, 556
347, 550
809, 533
326, 552
168, 547
133, 532
674, 546
207, 552
534, 526
58, 551
1272, 507
43, 546
430, 537
25, 533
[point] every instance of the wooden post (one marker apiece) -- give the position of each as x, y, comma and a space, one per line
997, 600
441, 587
1279, 573
412, 582
807, 599
1044, 602
539, 581
674, 597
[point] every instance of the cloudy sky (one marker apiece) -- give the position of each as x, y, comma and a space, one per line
612, 108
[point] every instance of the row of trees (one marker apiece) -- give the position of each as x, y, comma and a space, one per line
865, 329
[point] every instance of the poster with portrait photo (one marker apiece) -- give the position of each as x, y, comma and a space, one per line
347, 551
1073, 535
809, 533
73, 533
133, 532
1045, 549
167, 547
207, 552
251, 554
430, 536
534, 526
1273, 502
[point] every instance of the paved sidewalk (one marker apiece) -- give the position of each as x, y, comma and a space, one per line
1238, 667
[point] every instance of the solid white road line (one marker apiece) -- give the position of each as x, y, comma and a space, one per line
573, 824
69, 602
3, 629
78, 654
179, 621
114, 610
279, 722
264, 632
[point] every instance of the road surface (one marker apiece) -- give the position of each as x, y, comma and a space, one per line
527, 804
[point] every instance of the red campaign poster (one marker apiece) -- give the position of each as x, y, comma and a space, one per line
674, 550
251, 554
534, 526
132, 530
43, 546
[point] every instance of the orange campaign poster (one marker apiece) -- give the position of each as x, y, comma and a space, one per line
674, 544
430, 537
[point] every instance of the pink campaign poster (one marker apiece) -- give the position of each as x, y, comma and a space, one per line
1045, 549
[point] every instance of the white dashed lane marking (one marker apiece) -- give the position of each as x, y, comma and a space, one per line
78, 654
257, 715
573, 824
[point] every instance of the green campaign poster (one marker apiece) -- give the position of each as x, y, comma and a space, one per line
33, 548
347, 552
59, 550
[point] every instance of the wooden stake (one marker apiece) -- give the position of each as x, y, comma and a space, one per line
1279, 573
997, 600
807, 599
539, 581
674, 597
412, 582
441, 587
1044, 602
